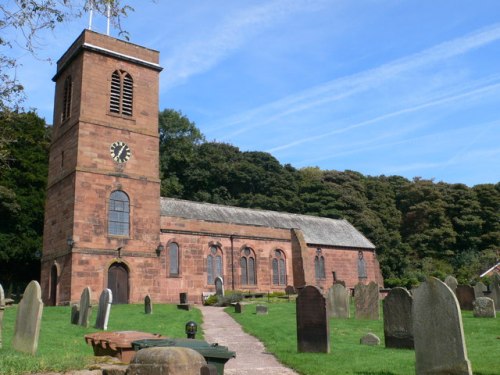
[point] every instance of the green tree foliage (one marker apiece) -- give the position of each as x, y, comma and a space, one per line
22, 195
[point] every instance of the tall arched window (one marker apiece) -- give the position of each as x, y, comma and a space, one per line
118, 214
279, 268
319, 265
247, 263
66, 103
214, 264
122, 93
173, 259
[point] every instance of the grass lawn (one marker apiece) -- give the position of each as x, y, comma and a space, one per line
61, 346
278, 332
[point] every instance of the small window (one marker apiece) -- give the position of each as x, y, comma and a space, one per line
214, 264
67, 93
173, 258
247, 264
122, 93
118, 214
319, 265
279, 268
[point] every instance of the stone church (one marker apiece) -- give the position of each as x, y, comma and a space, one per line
106, 225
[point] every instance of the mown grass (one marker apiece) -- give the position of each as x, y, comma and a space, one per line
278, 332
62, 346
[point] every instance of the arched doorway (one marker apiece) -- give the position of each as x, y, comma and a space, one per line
53, 285
118, 282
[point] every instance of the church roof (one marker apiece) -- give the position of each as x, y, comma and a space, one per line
316, 230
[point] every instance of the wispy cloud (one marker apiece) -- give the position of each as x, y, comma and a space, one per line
344, 87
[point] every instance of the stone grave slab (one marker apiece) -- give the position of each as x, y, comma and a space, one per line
104, 309
169, 360
238, 308
370, 339
261, 310
398, 323
313, 328
2, 308
85, 308
148, 305
338, 301
28, 320
484, 307
366, 299
219, 286
451, 282
465, 296
479, 289
495, 290
438, 330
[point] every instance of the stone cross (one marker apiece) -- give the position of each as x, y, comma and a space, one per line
465, 296
398, 324
438, 331
313, 329
338, 301
219, 286
85, 308
451, 282
2, 308
103, 309
148, 305
28, 320
366, 301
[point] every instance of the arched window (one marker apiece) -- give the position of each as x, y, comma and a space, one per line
319, 265
66, 102
247, 263
214, 264
118, 214
173, 259
279, 268
122, 93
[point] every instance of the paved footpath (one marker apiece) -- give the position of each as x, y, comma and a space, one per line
251, 356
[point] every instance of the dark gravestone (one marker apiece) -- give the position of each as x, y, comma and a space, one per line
238, 308
366, 301
183, 305
398, 323
313, 330
85, 308
495, 290
451, 282
2, 308
103, 309
290, 290
479, 289
28, 320
75, 313
148, 305
465, 297
438, 331
219, 286
261, 310
484, 307
183, 297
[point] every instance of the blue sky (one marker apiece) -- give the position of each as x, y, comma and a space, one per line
392, 87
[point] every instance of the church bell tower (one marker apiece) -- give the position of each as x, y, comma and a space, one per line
102, 213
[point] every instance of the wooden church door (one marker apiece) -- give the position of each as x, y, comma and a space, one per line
118, 282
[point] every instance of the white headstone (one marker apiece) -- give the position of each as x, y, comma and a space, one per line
103, 309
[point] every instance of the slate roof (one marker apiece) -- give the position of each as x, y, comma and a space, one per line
316, 230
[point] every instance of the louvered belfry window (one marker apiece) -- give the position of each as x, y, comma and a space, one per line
122, 93
66, 110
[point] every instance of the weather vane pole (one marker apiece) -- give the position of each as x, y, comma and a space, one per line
91, 13
108, 5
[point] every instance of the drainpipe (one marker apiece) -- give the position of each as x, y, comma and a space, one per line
231, 237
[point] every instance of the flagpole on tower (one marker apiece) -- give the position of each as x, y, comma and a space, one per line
109, 16
91, 13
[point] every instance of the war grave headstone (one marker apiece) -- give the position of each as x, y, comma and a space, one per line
148, 305
370, 339
103, 309
479, 289
219, 286
313, 329
2, 308
438, 331
465, 297
28, 320
451, 282
495, 290
366, 299
75, 314
484, 307
398, 324
338, 301
238, 308
261, 310
85, 308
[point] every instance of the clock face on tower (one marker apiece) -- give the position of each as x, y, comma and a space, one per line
120, 152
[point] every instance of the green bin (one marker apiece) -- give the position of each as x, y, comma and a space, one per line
214, 354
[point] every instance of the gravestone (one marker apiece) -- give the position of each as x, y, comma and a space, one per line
2, 308
366, 301
28, 320
238, 308
451, 282
484, 307
465, 297
438, 331
290, 289
341, 282
85, 308
338, 301
313, 330
183, 298
208, 370
219, 286
261, 310
495, 290
103, 309
398, 324
148, 305
370, 339
75, 313
479, 289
